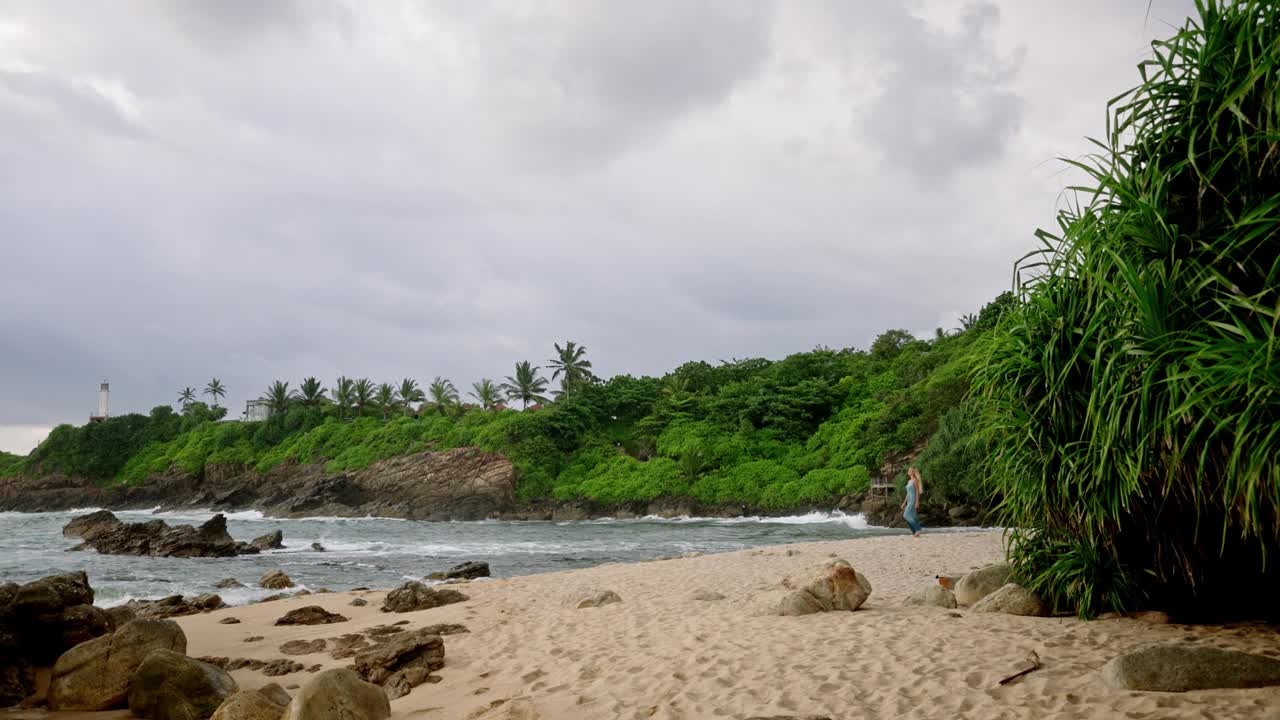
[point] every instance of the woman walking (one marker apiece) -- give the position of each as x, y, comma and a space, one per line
911, 504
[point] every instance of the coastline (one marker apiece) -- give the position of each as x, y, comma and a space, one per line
662, 653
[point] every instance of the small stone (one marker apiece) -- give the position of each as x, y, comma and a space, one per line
302, 647
227, 583
359, 602
253, 638
310, 615
229, 621
317, 547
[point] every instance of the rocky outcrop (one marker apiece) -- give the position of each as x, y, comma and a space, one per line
95, 675
415, 596
469, 570
339, 693
175, 606
932, 596
310, 615
980, 583
1012, 599
273, 540
836, 587
1186, 667
172, 686
402, 662
155, 538
275, 580
303, 647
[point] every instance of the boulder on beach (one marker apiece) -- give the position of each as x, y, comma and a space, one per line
1181, 667
275, 693
275, 580
95, 675
358, 602
980, 583
44, 618
469, 570
932, 596
248, 705
415, 596
338, 693
172, 686
1012, 599
836, 587
594, 598
401, 662
273, 540
303, 647
310, 615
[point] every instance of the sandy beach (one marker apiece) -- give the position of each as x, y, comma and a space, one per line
662, 653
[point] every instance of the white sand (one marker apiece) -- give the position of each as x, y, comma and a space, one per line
659, 653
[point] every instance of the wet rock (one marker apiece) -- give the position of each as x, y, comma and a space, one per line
156, 538
95, 675
1185, 667
339, 693
85, 525
172, 686
302, 647
836, 587
469, 570
310, 615
248, 705
121, 614
595, 598
932, 596
175, 606
273, 540
275, 580
227, 583
43, 619
401, 663
317, 547
1012, 599
980, 583
415, 596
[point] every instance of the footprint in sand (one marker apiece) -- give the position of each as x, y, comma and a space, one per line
531, 676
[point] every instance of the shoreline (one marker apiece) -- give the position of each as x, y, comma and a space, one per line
662, 653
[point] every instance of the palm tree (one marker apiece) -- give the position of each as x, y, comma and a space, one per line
311, 391
361, 395
571, 364
216, 389
386, 399
967, 321
343, 395
487, 393
186, 396
526, 386
410, 393
278, 396
443, 394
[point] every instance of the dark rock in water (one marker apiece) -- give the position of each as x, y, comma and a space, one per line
1185, 667
227, 583
310, 615
271, 541
466, 571
176, 606
85, 525
275, 580
415, 596
317, 547
155, 538
172, 686
401, 663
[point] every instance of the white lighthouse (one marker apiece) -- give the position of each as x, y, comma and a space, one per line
104, 392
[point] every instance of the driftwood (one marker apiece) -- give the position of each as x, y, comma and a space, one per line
1030, 665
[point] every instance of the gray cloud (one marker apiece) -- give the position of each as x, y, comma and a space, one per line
273, 190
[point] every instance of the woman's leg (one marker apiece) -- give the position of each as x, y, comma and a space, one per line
913, 521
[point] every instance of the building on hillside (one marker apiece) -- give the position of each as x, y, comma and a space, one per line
104, 392
257, 410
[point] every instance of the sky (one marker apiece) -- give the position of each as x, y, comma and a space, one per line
257, 191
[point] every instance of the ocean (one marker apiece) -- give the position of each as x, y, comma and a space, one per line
383, 553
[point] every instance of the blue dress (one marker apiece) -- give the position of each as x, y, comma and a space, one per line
909, 513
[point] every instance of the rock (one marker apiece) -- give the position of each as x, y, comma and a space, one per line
172, 686
359, 602
302, 647
836, 587
157, 539
317, 547
84, 525
338, 694
173, 606
348, 645
121, 614
227, 583
248, 705
415, 596
1012, 599
275, 580
980, 583
1152, 617
402, 662
270, 668
275, 693
1185, 667
310, 615
229, 621
932, 596
95, 675
707, 595
207, 602
469, 570
595, 598
17, 680
273, 540
44, 618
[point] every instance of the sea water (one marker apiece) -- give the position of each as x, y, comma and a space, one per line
383, 553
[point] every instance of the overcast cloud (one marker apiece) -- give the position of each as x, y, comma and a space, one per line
269, 190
